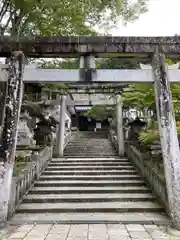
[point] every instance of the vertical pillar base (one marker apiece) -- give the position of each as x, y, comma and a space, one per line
168, 135
119, 123
87, 68
59, 150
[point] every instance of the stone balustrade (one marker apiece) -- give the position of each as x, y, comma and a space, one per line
149, 172
155, 180
20, 185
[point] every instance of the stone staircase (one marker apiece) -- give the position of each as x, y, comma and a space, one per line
91, 184
91, 144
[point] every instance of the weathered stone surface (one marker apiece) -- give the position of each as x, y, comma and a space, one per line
22, 232
168, 133
14, 90
93, 232
94, 194
141, 218
90, 207
73, 46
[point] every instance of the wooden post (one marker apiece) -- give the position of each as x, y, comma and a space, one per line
119, 123
9, 135
168, 134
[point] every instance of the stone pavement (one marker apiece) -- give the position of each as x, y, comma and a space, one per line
86, 232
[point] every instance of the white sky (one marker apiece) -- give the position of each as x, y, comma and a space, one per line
162, 19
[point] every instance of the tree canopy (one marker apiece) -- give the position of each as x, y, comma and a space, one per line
49, 18
99, 113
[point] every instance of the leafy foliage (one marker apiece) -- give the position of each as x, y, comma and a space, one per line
141, 97
49, 18
59, 64
117, 63
150, 134
99, 113
147, 137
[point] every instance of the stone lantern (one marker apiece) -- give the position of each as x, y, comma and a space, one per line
43, 132
25, 135
136, 127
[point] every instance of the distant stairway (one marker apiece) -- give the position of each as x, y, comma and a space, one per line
90, 185
90, 144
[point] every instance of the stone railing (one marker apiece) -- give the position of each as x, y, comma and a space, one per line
22, 183
26, 178
113, 138
155, 180
67, 138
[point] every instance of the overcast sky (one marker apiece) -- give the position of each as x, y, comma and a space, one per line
162, 19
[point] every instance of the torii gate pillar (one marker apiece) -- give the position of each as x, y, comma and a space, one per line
119, 124
61, 130
87, 68
168, 135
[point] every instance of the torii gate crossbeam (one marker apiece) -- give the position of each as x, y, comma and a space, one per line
49, 76
100, 46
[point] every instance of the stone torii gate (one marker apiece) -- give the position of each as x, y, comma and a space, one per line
87, 48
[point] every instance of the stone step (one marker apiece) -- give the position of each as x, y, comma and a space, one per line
78, 160
89, 159
104, 197
84, 153
89, 183
114, 189
91, 218
89, 148
91, 138
90, 172
89, 177
100, 141
93, 164
91, 142
120, 207
74, 168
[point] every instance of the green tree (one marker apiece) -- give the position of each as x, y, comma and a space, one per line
117, 63
142, 97
100, 112
44, 17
